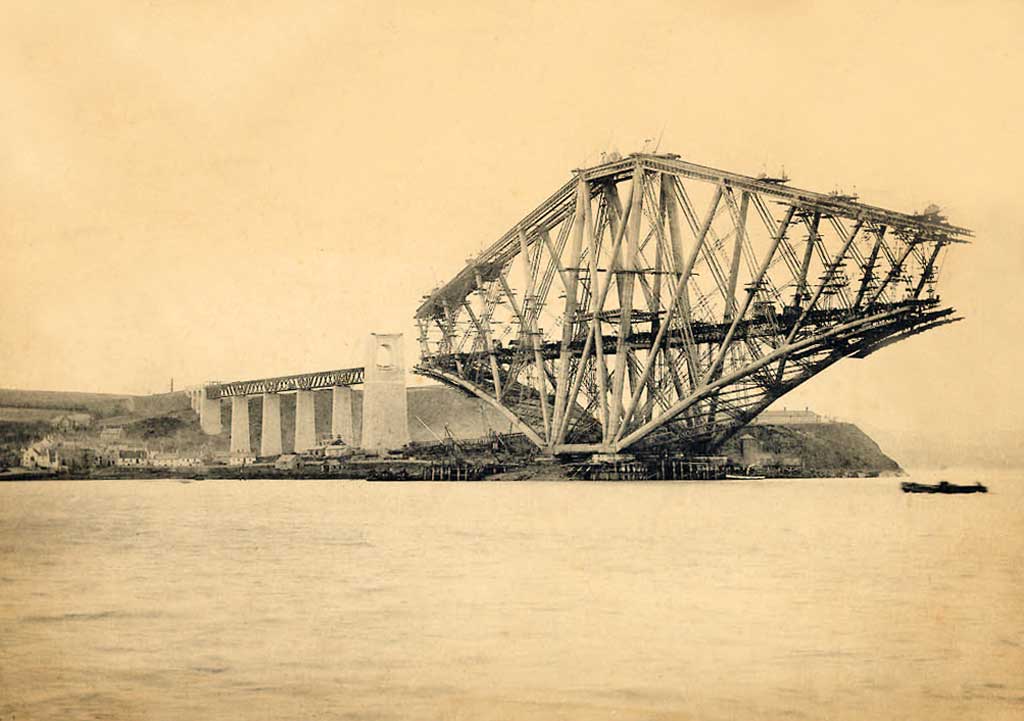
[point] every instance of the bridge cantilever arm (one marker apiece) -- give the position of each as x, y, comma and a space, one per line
825, 202
724, 380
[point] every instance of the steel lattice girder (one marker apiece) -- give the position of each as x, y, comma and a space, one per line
685, 300
284, 384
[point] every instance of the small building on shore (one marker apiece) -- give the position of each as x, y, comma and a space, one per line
42, 455
335, 448
113, 434
241, 459
288, 462
131, 457
173, 460
69, 422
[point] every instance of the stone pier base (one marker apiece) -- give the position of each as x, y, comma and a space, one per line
270, 424
305, 421
209, 414
240, 443
341, 414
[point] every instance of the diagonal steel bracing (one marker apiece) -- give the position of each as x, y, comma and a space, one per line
650, 300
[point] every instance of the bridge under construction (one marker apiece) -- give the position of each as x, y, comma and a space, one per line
651, 302
649, 305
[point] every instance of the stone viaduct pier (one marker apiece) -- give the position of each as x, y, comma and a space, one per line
384, 416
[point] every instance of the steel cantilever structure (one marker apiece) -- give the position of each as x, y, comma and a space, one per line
653, 302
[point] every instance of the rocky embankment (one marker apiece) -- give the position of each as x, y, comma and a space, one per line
822, 448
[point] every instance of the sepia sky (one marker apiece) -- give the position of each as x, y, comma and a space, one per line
223, 190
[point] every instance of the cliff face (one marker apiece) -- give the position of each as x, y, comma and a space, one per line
821, 447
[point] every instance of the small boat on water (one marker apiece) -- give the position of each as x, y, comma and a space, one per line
942, 487
739, 477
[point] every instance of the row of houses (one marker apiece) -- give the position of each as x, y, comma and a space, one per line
56, 455
328, 453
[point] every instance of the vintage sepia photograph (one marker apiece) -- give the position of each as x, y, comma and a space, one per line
568, 361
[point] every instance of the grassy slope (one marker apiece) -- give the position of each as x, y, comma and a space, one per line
822, 446
96, 403
175, 432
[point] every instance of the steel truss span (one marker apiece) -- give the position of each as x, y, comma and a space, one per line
285, 384
653, 302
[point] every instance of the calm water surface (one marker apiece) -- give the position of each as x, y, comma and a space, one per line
809, 599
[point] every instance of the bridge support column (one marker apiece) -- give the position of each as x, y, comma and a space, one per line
209, 413
240, 425
341, 414
305, 421
270, 425
385, 404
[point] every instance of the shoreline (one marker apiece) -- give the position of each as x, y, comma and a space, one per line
528, 473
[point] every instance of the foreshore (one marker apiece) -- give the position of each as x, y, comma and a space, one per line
372, 472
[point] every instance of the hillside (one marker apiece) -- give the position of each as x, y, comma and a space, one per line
174, 432
821, 447
98, 404
41, 405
